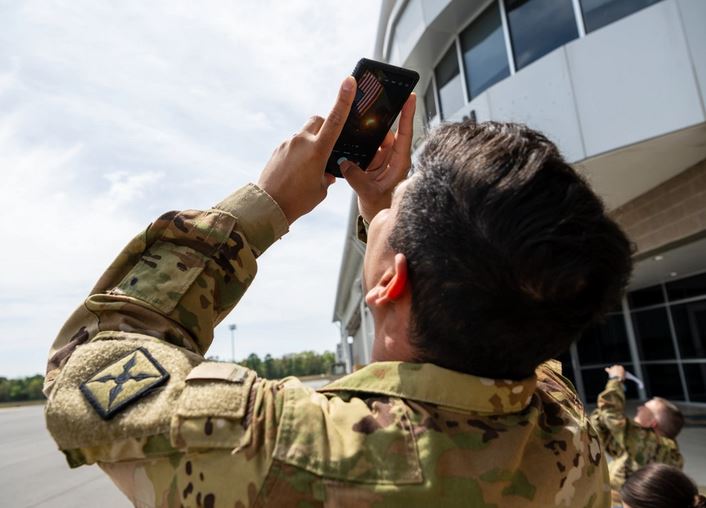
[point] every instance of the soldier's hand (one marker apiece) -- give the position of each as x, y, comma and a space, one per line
388, 168
294, 175
616, 371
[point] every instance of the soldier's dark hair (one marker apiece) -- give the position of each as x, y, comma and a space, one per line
670, 419
661, 486
511, 254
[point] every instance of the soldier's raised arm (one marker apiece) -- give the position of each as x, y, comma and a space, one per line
609, 415
127, 384
177, 279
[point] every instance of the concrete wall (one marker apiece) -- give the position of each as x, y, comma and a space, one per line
670, 212
638, 78
632, 80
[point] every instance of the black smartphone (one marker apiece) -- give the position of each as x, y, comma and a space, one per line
381, 93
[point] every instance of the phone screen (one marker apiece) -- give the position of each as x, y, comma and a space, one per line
382, 91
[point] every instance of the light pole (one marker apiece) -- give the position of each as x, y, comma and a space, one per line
232, 341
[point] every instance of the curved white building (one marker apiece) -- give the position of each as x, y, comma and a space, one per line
619, 85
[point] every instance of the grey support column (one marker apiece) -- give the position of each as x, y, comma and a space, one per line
632, 343
578, 377
365, 327
675, 343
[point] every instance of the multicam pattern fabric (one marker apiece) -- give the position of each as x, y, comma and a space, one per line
630, 445
391, 434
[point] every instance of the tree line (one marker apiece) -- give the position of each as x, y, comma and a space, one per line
21, 389
306, 363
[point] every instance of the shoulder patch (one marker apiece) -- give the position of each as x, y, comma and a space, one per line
123, 382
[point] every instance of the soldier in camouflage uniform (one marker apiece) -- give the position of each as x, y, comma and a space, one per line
649, 437
476, 416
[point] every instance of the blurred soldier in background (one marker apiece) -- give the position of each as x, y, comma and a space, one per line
660, 486
649, 437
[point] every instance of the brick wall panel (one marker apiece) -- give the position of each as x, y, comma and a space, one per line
668, 213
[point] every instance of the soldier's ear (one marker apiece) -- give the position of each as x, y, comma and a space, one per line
392, 284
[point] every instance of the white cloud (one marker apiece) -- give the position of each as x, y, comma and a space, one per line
126, 187
111, 113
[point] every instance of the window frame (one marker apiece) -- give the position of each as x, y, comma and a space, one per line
500, 4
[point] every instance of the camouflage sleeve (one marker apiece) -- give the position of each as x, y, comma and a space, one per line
609, 417
676, 458
177, 279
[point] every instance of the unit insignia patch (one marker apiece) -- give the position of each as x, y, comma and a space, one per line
123, 382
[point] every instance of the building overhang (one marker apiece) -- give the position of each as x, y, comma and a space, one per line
624, 174
674, 261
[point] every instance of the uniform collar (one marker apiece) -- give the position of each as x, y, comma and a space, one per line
426, 382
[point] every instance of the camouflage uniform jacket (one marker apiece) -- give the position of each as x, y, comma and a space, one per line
630, 445
129, 389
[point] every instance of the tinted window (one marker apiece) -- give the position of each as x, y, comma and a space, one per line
663, 381
605, 343
484, 53
690, 327
687, 288
598, 13
652, 334
539, 26
429, 103
594, 381
696, 381
652, 295
448, 81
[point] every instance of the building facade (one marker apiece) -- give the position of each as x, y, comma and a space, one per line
619, 85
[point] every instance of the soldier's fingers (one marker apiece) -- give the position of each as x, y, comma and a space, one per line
403, 141
383, 153
355, 176
313, 125
332, 126
389, 140
328, 180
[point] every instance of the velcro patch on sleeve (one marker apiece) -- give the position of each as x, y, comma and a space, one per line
222, 371
123, 382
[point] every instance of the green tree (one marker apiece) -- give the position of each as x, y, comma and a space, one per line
4, 389
253, 362
21, 389
269, 368
18, 389
34, 388
305, 363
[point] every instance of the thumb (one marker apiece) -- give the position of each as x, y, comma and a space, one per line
353, 174
328, 180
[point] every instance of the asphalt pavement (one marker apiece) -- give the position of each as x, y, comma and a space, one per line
33, 473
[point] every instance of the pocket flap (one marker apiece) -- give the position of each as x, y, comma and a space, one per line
211, 408
168, 271
367, 440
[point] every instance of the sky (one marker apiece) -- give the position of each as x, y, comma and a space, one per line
114, 112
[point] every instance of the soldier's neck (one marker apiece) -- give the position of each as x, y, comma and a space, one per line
392, 333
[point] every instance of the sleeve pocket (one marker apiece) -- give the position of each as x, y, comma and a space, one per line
163, 275
211, 409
